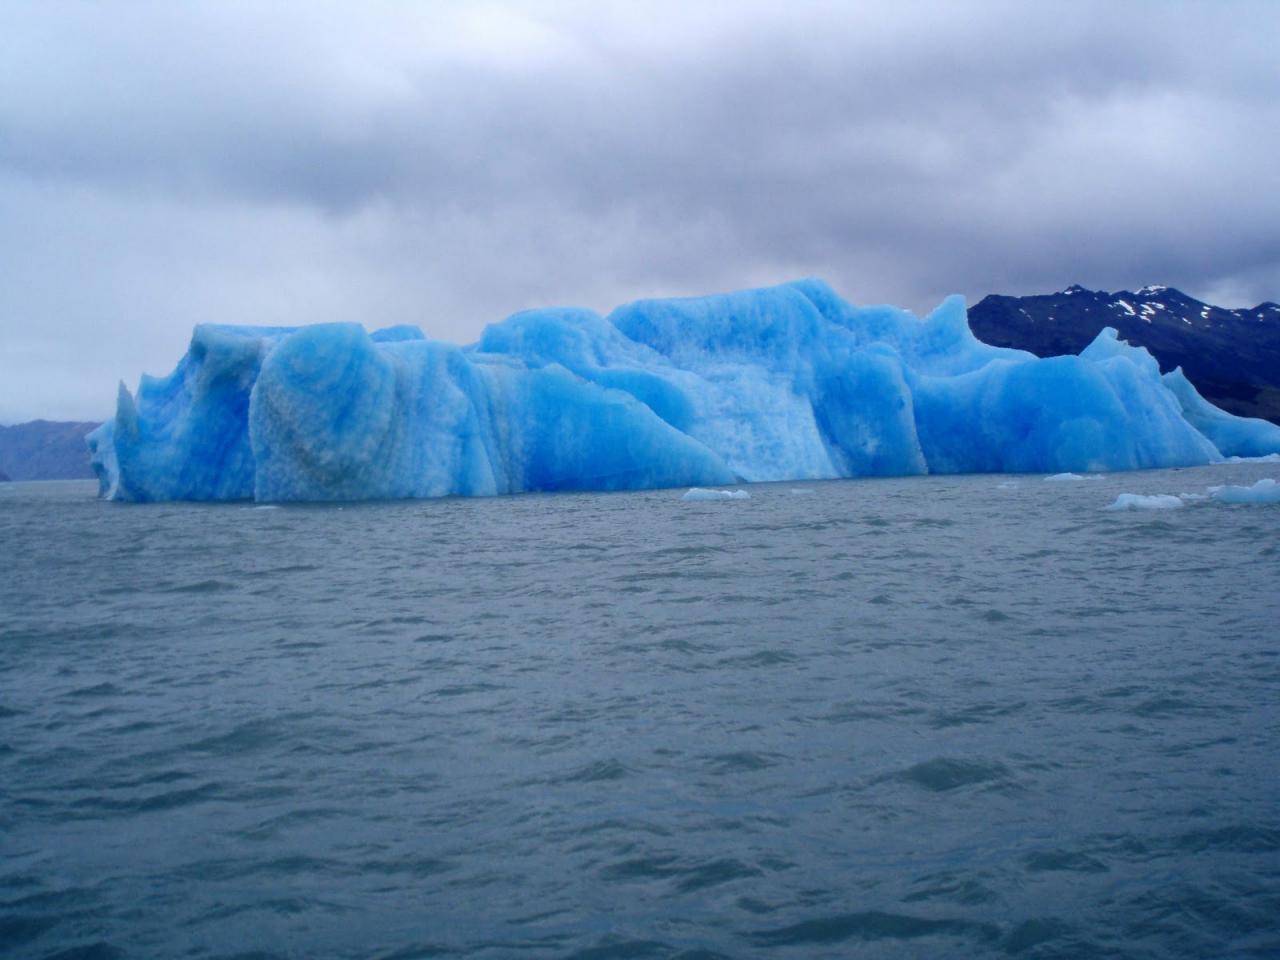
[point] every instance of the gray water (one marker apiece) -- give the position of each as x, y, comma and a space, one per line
898, 718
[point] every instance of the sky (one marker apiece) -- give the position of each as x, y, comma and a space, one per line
446, 164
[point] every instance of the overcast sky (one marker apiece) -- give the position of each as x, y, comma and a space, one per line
445, 164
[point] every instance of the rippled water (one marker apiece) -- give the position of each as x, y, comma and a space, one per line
922, 717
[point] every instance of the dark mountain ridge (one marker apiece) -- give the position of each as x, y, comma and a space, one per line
1231, 356
45, 450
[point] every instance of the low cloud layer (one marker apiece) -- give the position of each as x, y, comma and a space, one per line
445, 164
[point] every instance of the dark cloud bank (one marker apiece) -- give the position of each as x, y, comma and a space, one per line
445, 164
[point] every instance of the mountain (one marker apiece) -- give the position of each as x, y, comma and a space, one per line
1231, 356
45, 450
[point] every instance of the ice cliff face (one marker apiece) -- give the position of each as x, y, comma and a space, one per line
785, 383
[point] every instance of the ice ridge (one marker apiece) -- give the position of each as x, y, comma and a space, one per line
783, 383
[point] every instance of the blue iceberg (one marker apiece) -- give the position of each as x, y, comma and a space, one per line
1265, 490
784, 383
1233, 436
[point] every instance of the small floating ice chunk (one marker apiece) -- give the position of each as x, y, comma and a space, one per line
801, 492
1012, 484
1265, 490
698, 493
1072, 476
1269, 458
1139, 501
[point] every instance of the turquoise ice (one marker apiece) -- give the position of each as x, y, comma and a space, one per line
1233, 436
784, 383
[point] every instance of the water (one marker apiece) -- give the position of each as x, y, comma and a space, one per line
901, 718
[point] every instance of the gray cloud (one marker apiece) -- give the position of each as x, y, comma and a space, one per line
445, 164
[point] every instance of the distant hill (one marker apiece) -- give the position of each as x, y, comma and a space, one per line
1232, 356
45, 450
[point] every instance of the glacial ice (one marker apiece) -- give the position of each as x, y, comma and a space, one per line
1138, 501
697, 494
1269, 458
1264, 491
1244, 437
784, 383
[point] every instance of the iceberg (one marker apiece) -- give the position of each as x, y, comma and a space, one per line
1138, 501
1244, 437
789, 382
1264, 491
1268, 458
697, 494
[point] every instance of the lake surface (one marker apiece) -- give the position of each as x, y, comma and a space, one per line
924, 717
